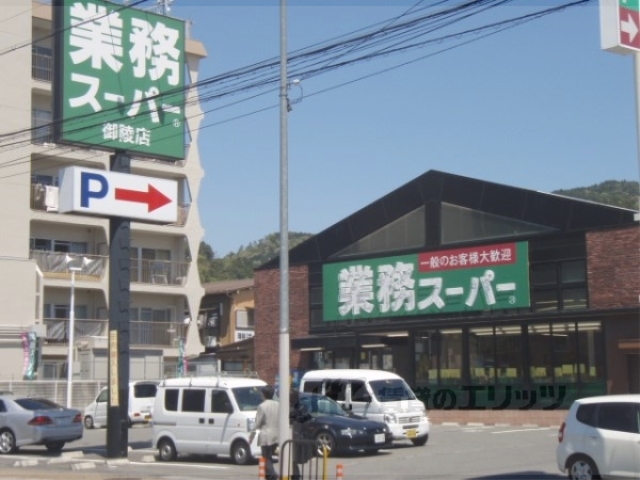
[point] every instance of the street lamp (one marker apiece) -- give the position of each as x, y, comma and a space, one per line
70, 261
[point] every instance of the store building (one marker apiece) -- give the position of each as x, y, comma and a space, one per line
497, 304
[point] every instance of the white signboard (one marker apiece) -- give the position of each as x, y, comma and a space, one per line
100, 192
620, 26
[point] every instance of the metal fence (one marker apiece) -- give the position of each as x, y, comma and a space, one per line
83, 391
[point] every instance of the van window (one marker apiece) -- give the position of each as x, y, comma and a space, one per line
220, 402
359, 391
335, 389
103, 396
193, 400
392, 390
144, 390
313, 386
621, 417
248, 398
171, 399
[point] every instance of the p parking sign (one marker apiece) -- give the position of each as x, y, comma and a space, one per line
119, 78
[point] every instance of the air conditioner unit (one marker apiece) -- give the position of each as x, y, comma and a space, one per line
51, 197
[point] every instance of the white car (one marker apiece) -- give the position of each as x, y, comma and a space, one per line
142, 394
600, 437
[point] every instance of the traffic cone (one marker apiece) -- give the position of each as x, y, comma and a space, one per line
262, 470
339, 471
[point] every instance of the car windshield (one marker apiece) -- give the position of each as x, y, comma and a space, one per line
392, 390
318, 405
248, 398
37, 404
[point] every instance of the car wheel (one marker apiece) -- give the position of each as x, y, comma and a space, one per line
129, 422
325, 441
88, 422
7, 442
240, 452
583, 468
420, 441
167, 450
54, 447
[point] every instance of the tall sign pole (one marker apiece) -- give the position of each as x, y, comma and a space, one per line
283, 430
620, 33
119, 324
118, 86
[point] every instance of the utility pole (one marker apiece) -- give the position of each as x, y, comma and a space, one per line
283, 395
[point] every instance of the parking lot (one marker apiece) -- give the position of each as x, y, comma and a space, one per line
453, 452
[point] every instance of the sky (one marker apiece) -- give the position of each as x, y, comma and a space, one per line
538, 106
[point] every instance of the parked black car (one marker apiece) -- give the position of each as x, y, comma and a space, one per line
337, 430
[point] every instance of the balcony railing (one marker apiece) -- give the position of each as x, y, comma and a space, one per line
162, 334
159, 272
42, 66
56, 265
154, 272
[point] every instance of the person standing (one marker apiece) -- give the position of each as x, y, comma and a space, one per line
302, 451
267, 418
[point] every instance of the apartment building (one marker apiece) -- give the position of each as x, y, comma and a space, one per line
38, 244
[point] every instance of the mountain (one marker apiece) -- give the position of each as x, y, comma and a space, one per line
241, 264
620, 193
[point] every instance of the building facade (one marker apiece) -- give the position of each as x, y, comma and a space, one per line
38, 244
497, 304
227, 324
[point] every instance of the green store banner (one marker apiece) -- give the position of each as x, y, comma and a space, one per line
120, 76
489, 277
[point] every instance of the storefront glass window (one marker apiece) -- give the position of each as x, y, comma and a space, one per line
481, 355
451, 356
540, 358
509, 354
565, 351
591, 356
426, 357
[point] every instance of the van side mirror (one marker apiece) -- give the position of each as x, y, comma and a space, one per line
228, 408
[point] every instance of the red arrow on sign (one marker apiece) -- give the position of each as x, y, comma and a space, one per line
152, 197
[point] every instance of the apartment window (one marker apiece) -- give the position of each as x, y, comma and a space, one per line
41, 124
245, 318
63, 246
145, 314
41, 63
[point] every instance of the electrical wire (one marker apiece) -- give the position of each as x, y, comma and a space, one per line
496, 26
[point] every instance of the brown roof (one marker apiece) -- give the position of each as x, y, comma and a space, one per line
227, 286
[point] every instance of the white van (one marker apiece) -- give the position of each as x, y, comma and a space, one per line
142, 394
374, 394
207, 415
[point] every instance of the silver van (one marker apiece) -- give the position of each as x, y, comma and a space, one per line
142, 394
374, 394
207, 415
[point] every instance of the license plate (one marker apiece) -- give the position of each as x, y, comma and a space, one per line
412, 433
378, 438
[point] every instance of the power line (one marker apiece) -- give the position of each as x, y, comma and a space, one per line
496, 26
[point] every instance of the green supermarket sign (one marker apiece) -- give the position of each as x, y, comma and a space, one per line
489, 277
119, 79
